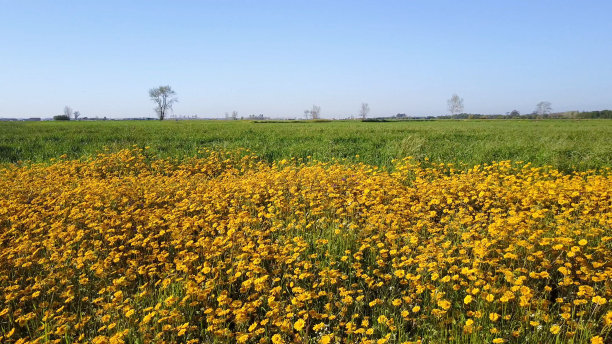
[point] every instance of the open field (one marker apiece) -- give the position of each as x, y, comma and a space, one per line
195, 240
564, 144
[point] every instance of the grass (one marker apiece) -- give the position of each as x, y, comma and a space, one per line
564, 144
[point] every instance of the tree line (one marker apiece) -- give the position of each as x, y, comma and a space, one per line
600, 114
164, 98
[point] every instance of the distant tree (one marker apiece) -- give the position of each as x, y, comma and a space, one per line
455, 104
543, 108
515, 113
315, 112
365, 109
234, 115
67, 111
163, 97
76, 115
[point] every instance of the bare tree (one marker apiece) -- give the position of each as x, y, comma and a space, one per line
365, 109
76, 115
543, 108
234, 115
67, 111
315, 112
455, 104
163, 96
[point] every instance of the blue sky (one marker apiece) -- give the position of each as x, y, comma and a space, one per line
278, 58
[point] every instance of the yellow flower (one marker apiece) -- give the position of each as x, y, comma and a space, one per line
318, 327
382, 320
599, 300
583, 242
299, 325
597, 340
607, 319
416, 309
468, 327
383, 340
444, 304
148, 318
277, 339
498, 341
326, 339
554, 329
467, 299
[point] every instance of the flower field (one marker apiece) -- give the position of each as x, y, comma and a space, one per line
127, 247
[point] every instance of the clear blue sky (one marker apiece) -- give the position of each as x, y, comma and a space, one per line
281, 57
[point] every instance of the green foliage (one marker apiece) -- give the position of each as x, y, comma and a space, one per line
607, 114
603, 114
61, 118
565, 144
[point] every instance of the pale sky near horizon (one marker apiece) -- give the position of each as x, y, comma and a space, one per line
278, 58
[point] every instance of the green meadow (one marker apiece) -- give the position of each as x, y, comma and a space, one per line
564, 144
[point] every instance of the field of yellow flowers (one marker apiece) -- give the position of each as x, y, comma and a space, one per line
129, 248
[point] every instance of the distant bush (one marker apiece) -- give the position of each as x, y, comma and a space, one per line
375, 120
61, 118
595, 114
295, 121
